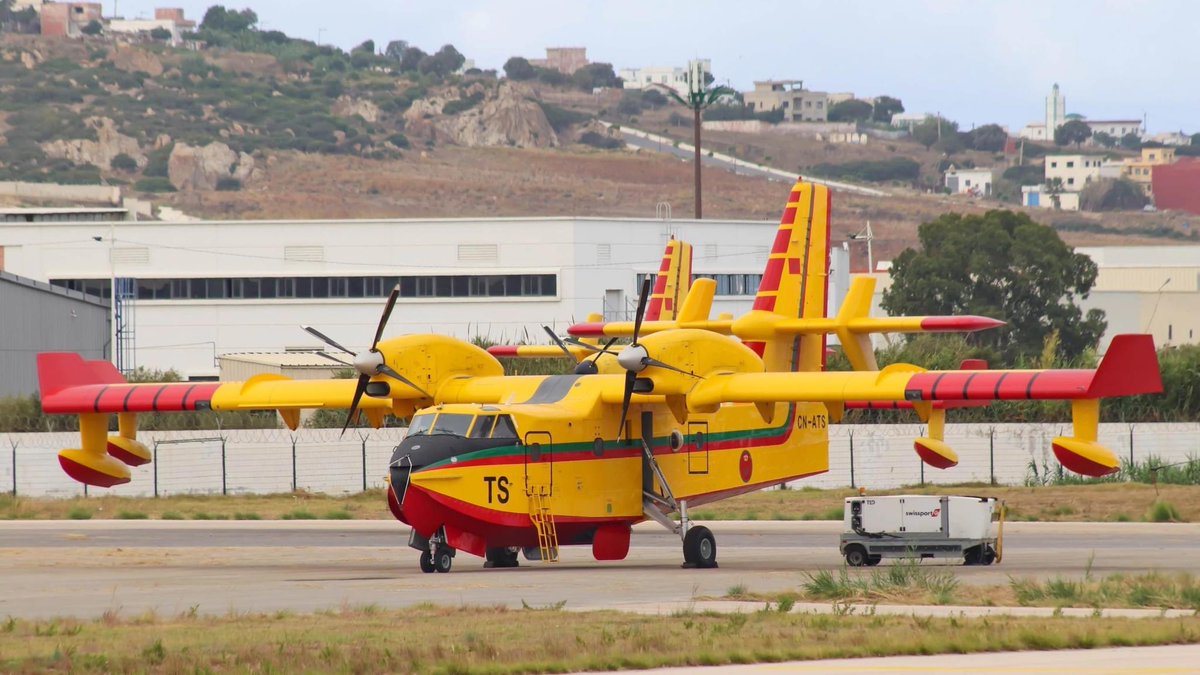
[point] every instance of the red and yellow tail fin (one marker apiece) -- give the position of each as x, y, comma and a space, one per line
795, 284
673, 281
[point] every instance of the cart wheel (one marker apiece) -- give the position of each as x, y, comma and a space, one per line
700, 547
989, 556
443, 559
426, 562
973, 556
873, 560
856, 556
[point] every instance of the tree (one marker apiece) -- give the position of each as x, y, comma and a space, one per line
395, 49
1072, 131
1104, 138
217, 18
160, 33
367, 46
933, 129
595, 75
988, 138
411, 59
1004, 265
93, 27
447, 60
1196, 139
885, 107
1112, 195
1131, 141
852, 110
517, 68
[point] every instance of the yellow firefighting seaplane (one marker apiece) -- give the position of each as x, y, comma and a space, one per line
690, 412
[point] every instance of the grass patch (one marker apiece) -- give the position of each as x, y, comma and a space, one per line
903, 580
340, 514
299, 514
477, 639
79, 513
246, 515
171, 515
131, 515
1163, 512
367, 505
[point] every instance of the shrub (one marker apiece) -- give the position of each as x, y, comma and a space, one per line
598, 140
160, 33
228, 185
561, 119
154, 184
895, 168
459, 105
124, 162
399, 140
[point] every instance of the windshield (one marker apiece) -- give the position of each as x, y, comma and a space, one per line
454, 424
420, 424
504, 428
483, 426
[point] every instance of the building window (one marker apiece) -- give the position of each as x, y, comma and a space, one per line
254, 288
1070, 165
1070, 181
734, 284
1053, 165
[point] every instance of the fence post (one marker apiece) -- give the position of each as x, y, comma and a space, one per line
852, 460
922, 471
14, 467
364, 463
293, 463
154, 461
224, 488
992, 454
1130, 447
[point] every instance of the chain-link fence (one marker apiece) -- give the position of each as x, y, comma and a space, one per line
260, 461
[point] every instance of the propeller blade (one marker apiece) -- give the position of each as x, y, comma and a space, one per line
659, 364
385, 369
583, 345
602, 352
326, 339
558, 341
387, 313
333, 358
630, 378
641, 310
358, 392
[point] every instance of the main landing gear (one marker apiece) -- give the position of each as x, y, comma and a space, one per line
500, 557
699, 545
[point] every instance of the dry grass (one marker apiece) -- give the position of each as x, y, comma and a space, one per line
497, 640
906, 582
1058, 503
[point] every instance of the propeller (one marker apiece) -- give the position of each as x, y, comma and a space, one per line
634, 358
368, 363
558, 341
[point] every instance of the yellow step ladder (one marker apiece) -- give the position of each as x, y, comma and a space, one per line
543, 522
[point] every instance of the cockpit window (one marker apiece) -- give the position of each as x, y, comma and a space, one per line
504, 427
420, 425
483, 426
454, 424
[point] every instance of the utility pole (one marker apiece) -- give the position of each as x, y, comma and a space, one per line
698, 98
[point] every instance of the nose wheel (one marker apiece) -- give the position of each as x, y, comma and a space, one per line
440, 559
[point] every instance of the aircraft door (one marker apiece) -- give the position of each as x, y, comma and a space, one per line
539, 462
697, 447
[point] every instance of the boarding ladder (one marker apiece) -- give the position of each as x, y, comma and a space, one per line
543, 522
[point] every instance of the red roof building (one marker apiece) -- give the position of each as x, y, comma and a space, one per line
1177, 186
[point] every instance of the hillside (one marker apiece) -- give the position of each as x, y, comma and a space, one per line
293, 130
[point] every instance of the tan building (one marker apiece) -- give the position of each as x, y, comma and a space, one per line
1075, 171
1141, 170
565, 60
798, 103
68, 19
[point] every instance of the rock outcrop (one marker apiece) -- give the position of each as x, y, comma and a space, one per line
201, 167
134, 60
346, 106
508, 119
108, 144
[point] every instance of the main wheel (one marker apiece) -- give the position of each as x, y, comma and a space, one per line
700, 548
500, 557
443, 560
973, 556
856, 556
426, 562
873, 560
989, 556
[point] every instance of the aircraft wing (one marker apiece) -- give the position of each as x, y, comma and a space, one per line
1129, 368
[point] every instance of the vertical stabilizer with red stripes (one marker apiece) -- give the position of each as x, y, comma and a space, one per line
673, 281
795, 284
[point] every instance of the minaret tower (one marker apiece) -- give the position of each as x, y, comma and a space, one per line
1056, 111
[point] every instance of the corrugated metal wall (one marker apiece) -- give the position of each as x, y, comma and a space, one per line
35, 317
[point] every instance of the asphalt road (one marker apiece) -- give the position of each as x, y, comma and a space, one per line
84, 568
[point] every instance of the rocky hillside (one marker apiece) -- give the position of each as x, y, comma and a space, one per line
162, 119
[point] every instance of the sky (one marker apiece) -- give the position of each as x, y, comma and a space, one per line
973, 61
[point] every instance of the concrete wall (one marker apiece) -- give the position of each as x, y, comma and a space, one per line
262, 460
35, 318
85, 193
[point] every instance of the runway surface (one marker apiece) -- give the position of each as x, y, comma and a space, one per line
84, 568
